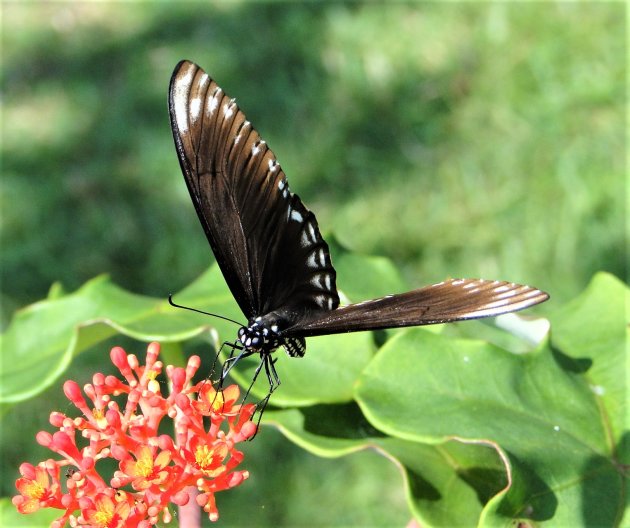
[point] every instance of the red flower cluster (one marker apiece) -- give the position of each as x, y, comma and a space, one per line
153, 470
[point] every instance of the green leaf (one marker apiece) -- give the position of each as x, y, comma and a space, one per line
42, 338
326, 373
10, 517
549, 419
446, 483
362, 277
590, 335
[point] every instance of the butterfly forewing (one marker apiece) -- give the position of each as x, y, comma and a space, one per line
452, 300
266, 242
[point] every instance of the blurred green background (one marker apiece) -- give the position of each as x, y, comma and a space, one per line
458, 139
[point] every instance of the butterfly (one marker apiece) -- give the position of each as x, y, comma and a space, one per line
269, 247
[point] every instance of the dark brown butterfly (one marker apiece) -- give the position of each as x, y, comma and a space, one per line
268, 244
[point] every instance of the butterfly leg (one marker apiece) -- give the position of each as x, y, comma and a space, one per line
263, 361
272, 374
233, 346
274, 382
233, 360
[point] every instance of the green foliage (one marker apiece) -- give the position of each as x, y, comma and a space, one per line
479, 432
490, 136
11, 517
460, 139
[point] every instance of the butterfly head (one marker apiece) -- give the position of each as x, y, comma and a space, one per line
259, 336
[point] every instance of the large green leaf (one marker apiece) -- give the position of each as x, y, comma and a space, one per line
446, 483
42, 338
549, 419
592, 330
326, 374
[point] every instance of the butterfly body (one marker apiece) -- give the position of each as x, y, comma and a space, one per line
268, 244
263, 335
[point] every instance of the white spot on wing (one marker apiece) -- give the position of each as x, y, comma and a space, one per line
257, 147
322, 257
213, 104
240, 132
322, 300
308, 235
495, 304
311, 261
228, 109
296, 216
503, 294
304, 240
195, 108
181, 90
195, 105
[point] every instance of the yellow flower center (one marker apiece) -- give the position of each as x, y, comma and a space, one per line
103, 518
35, 490
219, 401
144, 467
204, 456
99, 416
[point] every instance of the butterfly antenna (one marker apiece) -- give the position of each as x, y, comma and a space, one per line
175, 305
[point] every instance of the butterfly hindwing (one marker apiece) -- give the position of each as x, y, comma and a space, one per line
266, 242
448, 301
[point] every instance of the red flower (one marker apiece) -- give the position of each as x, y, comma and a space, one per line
207, 458
36, 491
161, 470
211, 401
104, 512
147, 470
